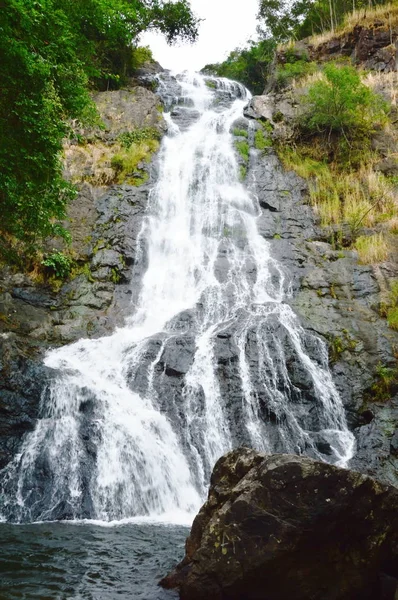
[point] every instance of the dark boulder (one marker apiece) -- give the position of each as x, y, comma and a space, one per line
281, 527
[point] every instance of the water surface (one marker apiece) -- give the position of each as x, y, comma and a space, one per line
54, 561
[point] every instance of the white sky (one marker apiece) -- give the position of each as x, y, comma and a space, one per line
228, 24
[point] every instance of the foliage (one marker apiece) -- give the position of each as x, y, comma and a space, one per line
293, 69
50, 50
372, 248
127, 161
392, 309
243, 149
139, 135
249, 65
242, 172
261, 141
59, 264
141, 55
239, 132
297, 19
358, 197
341, 103
385, 378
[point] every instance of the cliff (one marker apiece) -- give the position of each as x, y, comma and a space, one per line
39, 310
337, 297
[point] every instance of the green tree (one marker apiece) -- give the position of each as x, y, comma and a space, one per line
50, 51
297, 19
341, 103
249, 65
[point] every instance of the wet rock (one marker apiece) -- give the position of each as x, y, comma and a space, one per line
283, 526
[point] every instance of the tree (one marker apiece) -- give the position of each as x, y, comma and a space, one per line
248, 65
297, 19
50, 53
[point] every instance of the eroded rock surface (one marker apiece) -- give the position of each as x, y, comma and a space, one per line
282, 526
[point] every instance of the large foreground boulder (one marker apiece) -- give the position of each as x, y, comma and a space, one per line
282, 527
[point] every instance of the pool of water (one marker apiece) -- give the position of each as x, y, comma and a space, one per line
52, 561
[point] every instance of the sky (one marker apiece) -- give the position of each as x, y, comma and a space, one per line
227, 25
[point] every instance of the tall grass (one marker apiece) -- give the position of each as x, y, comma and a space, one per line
364, 17
372, 248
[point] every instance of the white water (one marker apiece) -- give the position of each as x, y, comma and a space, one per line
144, 463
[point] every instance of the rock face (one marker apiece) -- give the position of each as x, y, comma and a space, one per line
337, 298
105, 222
284, 527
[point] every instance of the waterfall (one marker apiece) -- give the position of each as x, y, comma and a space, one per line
132, 424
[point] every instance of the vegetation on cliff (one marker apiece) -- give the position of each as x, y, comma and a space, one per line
281, 21
52, 53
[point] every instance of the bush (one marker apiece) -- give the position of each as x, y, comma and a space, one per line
243, 149
59, 264
340, 103
293, 70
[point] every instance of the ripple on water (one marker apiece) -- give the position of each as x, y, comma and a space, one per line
69, 561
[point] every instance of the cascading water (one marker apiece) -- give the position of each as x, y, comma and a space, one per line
132, 424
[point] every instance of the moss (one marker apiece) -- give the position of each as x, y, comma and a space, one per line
392, 318
115, 275
211, 84
239, 132
261, 141
242, 172
339, 344
385, 378
82, 270
243, 149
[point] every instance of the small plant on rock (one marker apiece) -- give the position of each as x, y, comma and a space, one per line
58, 264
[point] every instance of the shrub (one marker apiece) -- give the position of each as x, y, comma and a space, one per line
341, 103
293, 70
243, 149
59, 264
261, 141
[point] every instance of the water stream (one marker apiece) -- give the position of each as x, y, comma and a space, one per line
133, 423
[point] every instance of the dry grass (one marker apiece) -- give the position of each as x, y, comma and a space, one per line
362, 198
364, 17
102, 164
308, 80
383, 83
126, 161
372, 248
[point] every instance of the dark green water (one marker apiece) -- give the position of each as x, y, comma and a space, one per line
55, 561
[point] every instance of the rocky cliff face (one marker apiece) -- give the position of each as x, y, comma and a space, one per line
335, 296
338, 299
104, 221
